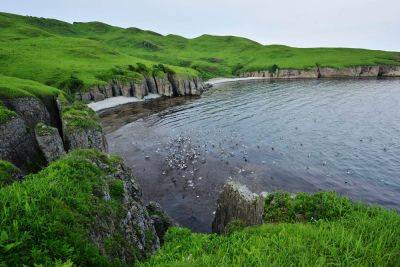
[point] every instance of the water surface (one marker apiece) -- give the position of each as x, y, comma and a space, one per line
300, 135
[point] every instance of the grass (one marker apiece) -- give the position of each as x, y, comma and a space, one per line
325, 229
11, 87
50, 51
47, 219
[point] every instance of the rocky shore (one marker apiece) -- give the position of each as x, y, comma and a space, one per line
327, 72
168, 85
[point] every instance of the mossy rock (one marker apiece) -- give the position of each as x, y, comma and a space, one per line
42, 129
80, 116
8, 173
5, 114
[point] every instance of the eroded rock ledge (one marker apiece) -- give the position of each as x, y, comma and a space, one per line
168, 85
326, 72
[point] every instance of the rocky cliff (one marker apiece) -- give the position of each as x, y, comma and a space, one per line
39, 132
167, 85
326, 72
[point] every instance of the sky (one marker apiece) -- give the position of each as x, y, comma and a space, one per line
369, 24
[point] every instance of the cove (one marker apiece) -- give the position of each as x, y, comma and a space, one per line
297, 135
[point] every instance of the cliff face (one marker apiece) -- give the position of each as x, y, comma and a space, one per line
326, 72
39, 134
18, 145
168, 85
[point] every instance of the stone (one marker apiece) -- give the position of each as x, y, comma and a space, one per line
237, 202
389, 71
18, 146
50, 142
85, 138
30, 109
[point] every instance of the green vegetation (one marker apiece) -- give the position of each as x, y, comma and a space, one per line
11, 87
308, 230
5, 114
48, 218
52, 52
80, 116
8, 173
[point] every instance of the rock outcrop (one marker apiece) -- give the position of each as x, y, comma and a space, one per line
168, 85
327, 72
30, 109
237, 203
49, 141
161, 220
18, 145
82, 129
136, 225
77, 138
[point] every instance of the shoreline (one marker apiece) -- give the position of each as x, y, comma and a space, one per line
217, 81
116, 101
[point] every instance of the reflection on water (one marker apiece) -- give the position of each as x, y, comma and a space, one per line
310, 135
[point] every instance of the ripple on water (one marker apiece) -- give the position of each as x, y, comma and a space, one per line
300, 135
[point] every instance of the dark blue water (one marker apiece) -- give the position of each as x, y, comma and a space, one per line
302, 135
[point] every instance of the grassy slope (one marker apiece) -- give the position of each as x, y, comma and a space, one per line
48, 51
46, 219
11, 87
311, 230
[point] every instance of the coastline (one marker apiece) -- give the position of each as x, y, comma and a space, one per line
116, 101
221, 80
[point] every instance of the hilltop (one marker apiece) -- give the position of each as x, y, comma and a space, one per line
50, 51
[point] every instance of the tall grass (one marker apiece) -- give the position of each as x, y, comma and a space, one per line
357, 236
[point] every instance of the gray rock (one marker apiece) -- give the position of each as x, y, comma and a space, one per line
161, 220
30, 109
135, 224
85, 138
237, 202
389, 71
50, 142
18, 145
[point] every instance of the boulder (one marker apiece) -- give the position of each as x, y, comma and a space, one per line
237, 203
50, 142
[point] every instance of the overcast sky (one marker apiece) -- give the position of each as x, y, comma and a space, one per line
371, 24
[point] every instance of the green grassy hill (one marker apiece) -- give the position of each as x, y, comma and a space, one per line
50, 51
